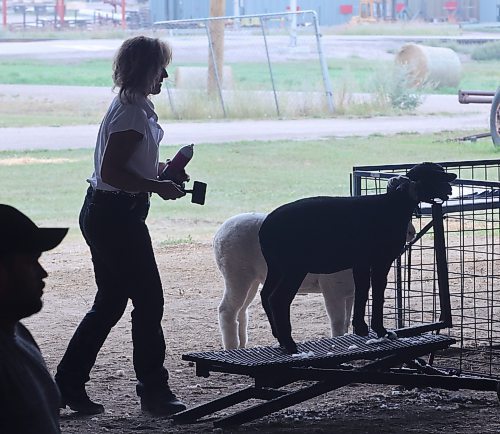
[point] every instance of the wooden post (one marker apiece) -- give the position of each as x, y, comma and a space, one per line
216, 29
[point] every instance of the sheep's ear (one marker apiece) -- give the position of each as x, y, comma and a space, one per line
441, 176
448, 177
398, 183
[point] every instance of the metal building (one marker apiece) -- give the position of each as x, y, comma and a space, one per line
335, 12
330, 12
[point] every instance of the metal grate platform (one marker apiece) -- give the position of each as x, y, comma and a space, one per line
334, 351
321, 365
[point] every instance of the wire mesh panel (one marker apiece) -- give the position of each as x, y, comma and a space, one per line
249, 67
472, 234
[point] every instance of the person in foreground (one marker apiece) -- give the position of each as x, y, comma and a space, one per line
112, 221
29, 398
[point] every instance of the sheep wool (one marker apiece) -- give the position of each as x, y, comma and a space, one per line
328, 234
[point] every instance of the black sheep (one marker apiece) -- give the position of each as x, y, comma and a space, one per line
327, 234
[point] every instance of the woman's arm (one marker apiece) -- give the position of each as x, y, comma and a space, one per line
114, 169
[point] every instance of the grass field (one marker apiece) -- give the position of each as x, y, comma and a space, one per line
359, 73
247, 176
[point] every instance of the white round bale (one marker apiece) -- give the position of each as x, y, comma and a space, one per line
437, 66
196, 77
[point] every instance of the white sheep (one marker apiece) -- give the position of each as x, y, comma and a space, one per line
239, 259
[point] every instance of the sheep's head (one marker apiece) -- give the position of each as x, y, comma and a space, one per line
432, 182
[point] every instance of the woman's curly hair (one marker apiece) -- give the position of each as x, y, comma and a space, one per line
137, 65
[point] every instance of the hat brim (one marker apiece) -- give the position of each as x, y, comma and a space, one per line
48, 238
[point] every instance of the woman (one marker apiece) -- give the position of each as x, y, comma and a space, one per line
112, 221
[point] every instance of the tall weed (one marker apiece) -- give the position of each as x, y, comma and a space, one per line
394, 90
487, 51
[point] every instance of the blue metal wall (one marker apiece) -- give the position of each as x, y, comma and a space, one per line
488, 11
327, 10
162, 10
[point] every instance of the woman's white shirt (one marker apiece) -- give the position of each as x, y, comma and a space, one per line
138, 115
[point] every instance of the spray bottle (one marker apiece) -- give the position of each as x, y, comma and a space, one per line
174, 171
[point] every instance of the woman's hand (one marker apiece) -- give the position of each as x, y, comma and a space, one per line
161, 166
169, 190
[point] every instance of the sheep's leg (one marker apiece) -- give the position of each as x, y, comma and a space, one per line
336, 312
349, 301
273, 278
338, 293
279, 302
379, 283
335, 308
362, 286
234, 297
243, 314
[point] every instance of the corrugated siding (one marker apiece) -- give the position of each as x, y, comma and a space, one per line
488, 11
328, 10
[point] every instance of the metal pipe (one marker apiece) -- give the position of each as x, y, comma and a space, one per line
475, 97
262, 25
233, 17
399, 295
293, 24
324, 66
441, 264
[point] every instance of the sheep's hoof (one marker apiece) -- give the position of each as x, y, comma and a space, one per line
391, 335
360, 329
290, 347
388, 334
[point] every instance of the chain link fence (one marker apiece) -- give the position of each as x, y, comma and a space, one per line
264, 65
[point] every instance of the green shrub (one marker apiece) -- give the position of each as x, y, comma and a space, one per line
395, 89
487, 51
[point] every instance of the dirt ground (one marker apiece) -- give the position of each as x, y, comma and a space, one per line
193, 288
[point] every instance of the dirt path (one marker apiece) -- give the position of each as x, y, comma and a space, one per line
193, 288
437, 113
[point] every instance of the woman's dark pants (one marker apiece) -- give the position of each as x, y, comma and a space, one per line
114, 227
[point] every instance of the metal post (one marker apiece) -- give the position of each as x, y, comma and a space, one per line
399, 294
293, 23
324, 66
441, 264
236, 12
356, 184
171, 102
216, 71
262, 25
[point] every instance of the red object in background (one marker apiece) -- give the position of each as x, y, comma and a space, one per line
60, 9
4, 13
346, 9
124, 21
450, 6
399, 7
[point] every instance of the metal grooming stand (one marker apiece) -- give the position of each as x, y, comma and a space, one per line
326, 362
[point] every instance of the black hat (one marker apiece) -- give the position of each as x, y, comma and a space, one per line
18, 234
